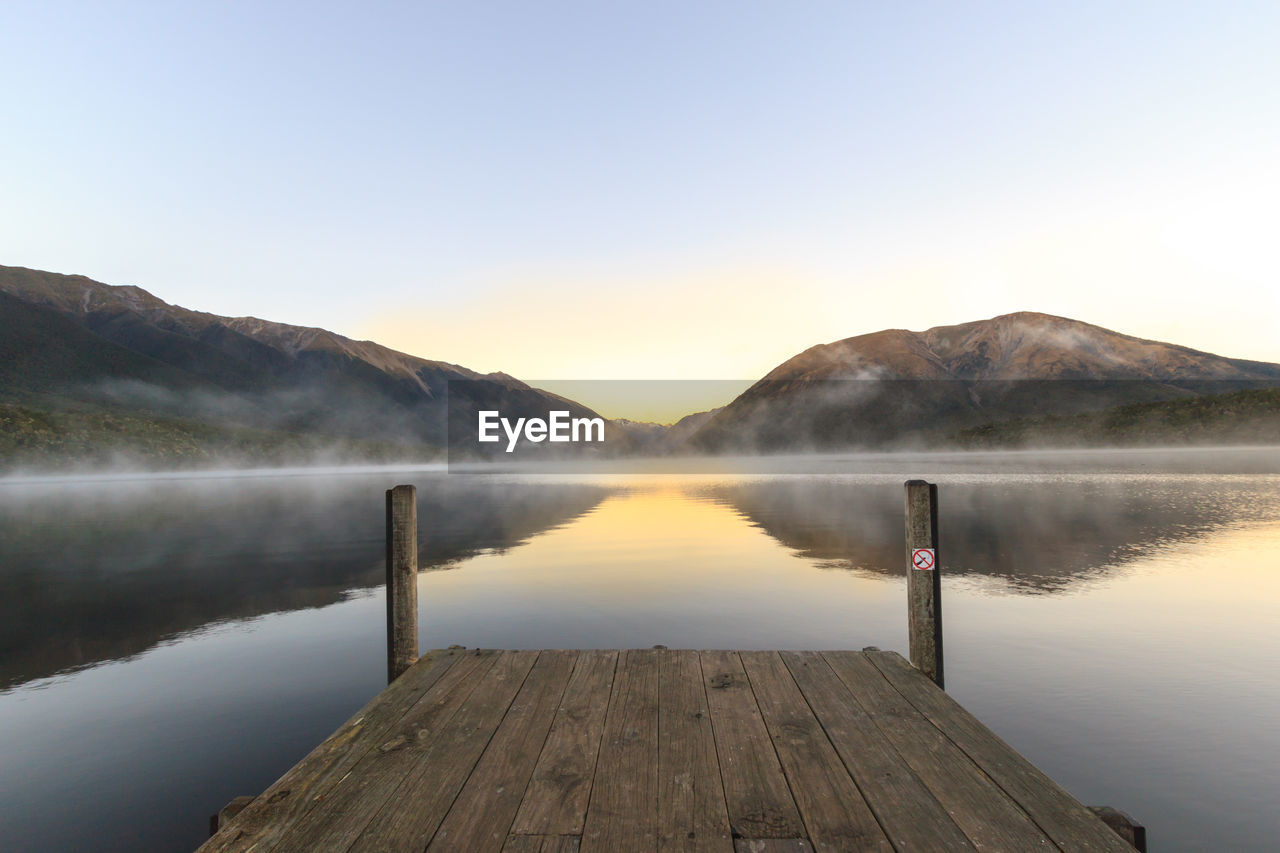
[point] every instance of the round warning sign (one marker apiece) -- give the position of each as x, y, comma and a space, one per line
923, 558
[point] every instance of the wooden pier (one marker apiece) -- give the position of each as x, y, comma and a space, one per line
654, 749
554, 751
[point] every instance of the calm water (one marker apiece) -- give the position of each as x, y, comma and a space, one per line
168, 644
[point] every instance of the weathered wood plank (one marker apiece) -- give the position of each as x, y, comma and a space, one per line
759, 802
409, 817
1133, 833
772, 845
555, 803
228, 813
277, 810
623, 813
692, 816
989, 818
834, 811
351, 803
1058, 814
481, 815
904, 807
646, 750
542, 844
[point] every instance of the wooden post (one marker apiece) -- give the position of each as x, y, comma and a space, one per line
924, 579
1124, 826
402, 580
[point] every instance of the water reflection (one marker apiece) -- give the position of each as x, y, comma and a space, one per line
231, 642
95, 572
1032, 534
103, 571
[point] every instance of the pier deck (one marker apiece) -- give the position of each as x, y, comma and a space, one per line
656, 749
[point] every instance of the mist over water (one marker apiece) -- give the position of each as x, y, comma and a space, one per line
170, 642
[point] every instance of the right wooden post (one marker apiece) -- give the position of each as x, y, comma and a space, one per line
924, 579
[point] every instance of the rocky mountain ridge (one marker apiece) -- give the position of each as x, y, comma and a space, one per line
69, 343
124, 348
898, 387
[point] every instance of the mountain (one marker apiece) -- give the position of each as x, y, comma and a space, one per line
897, 387
69, 342
1250, 417
1023, 345
91, 369
654, 439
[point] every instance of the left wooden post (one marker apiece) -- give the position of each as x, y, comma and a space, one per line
402, 580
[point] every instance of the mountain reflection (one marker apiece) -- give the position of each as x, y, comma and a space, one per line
105, 570
1035, 536
102, 571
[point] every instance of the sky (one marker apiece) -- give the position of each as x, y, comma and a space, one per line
654, 190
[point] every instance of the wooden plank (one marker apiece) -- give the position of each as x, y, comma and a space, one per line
772, 845
409, 817
904, 807
1133, 833
623, 813
692, 816
1059, 815
759, 802
262, 823
556, 800
834, 811
228, 813
481, 815
714, 751
541, 844
355, 800
989, 818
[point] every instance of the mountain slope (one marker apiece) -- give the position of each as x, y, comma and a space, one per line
41, 350
1250, 417
1024, 345
221, 347
896, 385
79, 342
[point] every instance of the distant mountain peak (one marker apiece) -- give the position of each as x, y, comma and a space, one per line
1015, 365
1020, 345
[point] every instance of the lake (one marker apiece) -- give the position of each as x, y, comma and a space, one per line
169, 643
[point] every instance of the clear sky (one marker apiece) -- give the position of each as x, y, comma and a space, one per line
654, 189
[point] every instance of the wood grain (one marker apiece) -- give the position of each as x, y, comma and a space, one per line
904, 807
542, 844
442, 769
1057, 813
481, 815
924, 588
759, 801
277, 811
623, 813
556, 800
656, 750
989, 818
692, 816
834, 811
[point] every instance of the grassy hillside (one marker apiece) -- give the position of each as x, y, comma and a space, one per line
38, 439
1244, 417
